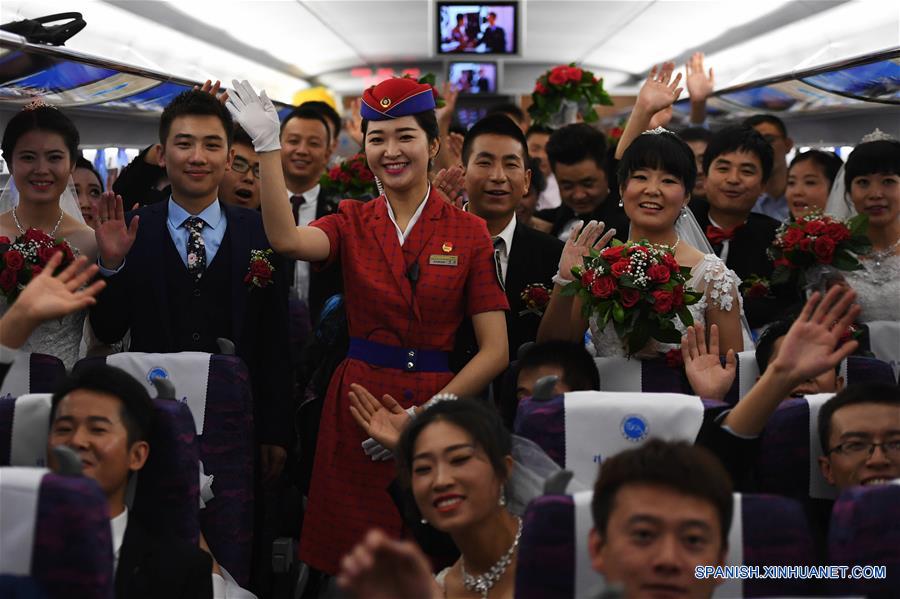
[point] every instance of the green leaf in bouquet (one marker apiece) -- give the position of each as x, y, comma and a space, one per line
619, 328
667, 335
637, 339
571, 289
858, 225
781, 275
618, 312
685, 316
845, 261
859, 245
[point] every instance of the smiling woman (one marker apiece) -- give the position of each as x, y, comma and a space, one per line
40, 144
413, 266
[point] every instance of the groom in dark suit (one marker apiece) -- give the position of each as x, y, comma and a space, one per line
495, 155
184, 272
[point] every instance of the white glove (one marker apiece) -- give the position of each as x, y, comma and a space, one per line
376, 450
256, 115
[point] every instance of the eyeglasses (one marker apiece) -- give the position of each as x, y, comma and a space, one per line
855, 449
771, 138
241, 166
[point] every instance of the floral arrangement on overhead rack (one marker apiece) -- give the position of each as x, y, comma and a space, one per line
563, 92
816, 240
639, 287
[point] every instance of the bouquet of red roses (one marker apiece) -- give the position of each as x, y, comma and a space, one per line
816, 239
25, 258
639, 287
570, 84
350, 179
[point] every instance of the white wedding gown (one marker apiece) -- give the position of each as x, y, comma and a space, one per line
719, 286
59, 337
877, 288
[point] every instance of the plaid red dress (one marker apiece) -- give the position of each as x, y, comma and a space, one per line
348, 492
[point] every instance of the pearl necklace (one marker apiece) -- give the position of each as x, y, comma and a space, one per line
485, 582
51, 233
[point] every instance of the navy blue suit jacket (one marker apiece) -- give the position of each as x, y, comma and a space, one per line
136, 299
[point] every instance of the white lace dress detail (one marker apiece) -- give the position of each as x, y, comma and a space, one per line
877, 287
720, 288
60, 337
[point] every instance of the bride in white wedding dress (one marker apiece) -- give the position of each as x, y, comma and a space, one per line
656, 174
40, 145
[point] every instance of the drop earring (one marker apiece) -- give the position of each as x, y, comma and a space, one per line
621, 203
502, 501
379, 186
424, 521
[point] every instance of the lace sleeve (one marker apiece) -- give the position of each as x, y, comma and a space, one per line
719, 284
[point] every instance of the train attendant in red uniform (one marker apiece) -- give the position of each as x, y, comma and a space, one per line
413, 267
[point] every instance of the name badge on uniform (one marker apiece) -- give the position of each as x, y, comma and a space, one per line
439, 260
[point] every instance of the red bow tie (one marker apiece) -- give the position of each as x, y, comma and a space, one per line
717, 235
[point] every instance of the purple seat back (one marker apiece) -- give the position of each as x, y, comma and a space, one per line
546, 562
168, 487
43, 374
658, 377
776, 533
46, 373
868, 370
72, 554
782, 467
865, 530
544, 423
226, 448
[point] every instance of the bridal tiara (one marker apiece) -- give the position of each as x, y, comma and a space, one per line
657, 131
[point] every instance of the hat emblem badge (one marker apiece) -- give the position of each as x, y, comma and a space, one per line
385, 102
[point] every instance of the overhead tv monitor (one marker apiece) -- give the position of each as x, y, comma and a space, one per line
473, 77
477, 28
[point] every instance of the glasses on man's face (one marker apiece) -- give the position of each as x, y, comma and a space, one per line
858, 449
771, 138
239, 165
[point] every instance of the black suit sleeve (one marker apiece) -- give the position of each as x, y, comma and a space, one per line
737, 454
111, 315
270, 363
198, 576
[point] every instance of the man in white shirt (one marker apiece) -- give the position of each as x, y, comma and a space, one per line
106, 417
306, 146
537, 137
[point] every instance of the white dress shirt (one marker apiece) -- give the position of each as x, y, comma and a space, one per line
305, 215
550, 197
401, 234
118, 525
505, 249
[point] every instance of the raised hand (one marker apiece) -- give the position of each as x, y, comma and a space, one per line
114, 238
449, 184
353, 125
256, 115
382, 568
707, 376
700, 85
811, 345
445, 114
659, 91
212, 89
382, 420
48, 296
579, 245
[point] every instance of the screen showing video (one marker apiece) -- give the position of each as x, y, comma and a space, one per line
474, 77
477, 28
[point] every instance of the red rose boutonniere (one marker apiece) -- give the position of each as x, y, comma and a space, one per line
535, 297
259, 273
